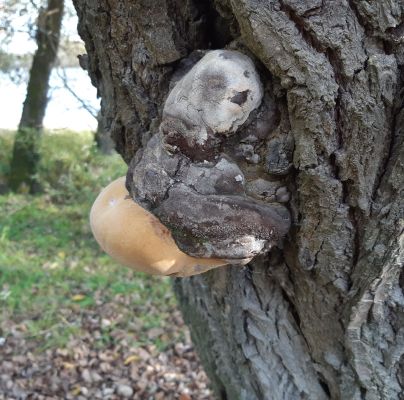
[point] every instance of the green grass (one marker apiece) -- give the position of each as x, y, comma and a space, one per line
52, 271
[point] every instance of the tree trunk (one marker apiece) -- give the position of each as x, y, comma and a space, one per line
102, 137
25, 153
322, 316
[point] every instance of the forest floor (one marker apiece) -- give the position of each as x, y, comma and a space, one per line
73, 324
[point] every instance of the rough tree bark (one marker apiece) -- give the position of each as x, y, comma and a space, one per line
25, 157
323, 316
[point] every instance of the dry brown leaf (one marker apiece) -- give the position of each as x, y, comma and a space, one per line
131, 358
78, 297
68, 365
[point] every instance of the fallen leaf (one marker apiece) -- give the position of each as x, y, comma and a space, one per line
130, 359
78, 297
76, 390
68, 365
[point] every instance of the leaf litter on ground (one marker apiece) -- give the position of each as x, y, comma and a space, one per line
73, 324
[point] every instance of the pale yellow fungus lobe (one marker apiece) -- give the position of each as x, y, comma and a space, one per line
136, 238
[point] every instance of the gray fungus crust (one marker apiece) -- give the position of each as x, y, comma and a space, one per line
193, 173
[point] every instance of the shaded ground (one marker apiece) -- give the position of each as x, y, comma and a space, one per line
73, 324
96, 365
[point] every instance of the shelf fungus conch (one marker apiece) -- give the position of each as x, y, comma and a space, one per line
211, 101
136, 238
192, 181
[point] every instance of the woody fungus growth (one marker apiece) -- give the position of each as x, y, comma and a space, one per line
213, 99
188, 210
136, 238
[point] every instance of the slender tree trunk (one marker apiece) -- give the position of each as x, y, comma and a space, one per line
323, 316
102, 137
25, 153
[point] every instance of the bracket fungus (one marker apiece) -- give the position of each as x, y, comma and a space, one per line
214, 98
136, 238
189, 208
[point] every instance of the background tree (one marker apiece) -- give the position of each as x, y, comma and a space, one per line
25, 152
323, 316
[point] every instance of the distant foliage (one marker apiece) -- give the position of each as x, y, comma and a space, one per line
18, 16
16, 66
6, 148
70, 164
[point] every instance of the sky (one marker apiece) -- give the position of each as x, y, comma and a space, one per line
63, 111
22, 43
